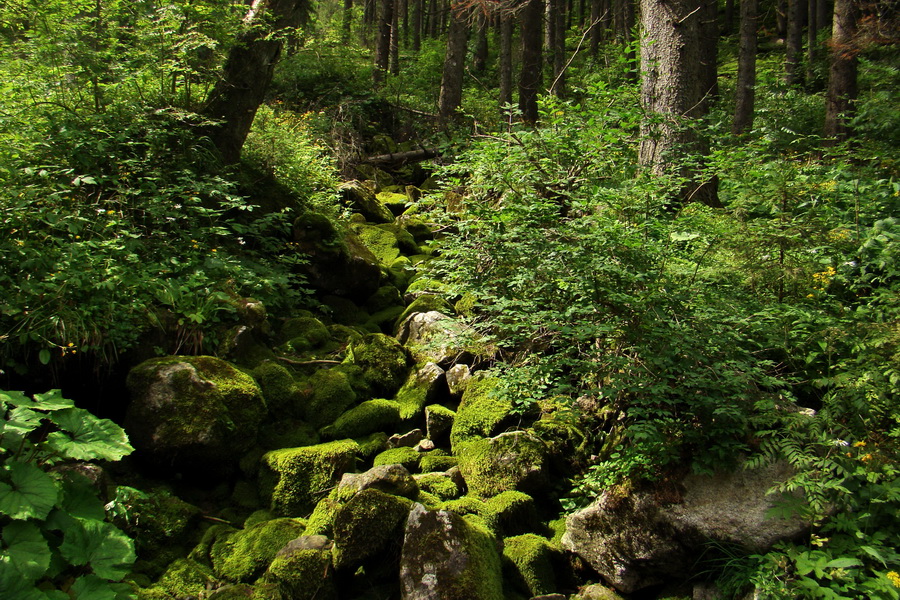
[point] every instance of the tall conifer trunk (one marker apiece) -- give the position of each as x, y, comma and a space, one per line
454, 64
842, 86
745, 93
530, 74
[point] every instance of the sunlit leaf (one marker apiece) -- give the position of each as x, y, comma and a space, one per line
26, 548
52, 400
107, 550
85, 437
32, 493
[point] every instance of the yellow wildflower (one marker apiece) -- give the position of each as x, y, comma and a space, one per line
894, 578
859, 444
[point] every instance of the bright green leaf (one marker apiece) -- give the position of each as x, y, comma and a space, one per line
33, 493
843, 563
52, 400
14, 585
91, 586
85, 437
107, 550
27, 549
79, 498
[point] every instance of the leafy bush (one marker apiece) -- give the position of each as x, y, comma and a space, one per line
56, 543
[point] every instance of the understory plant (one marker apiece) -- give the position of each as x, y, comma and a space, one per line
56, 543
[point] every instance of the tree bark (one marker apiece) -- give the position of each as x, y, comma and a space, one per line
247, 73
416, 25
530, 74
505, 59
454, 65
812, 29
346, 21
671, 95
480, 53
558, 24
596, 26
840, 99
383, 43
793, 42
394, 63
709, 54
745, 94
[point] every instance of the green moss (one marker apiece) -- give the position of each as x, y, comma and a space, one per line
438, 484
303, 575
321, 521
481, 411
557, 528
332, 394
257, 517
344, 311
387, 296
185, 577
408, 457
366, 525
366, 418
304, 333
427, 303
429, 500
383, 320
427, 286
372, 445
245, 495
510, 513
287, 433
414, 395
467, 505
344, 334
200, 553
282, 394
436, 460
396, 203
159, 522
245, 554
383, 243
384, 363
528, 564
295, 478
511, 461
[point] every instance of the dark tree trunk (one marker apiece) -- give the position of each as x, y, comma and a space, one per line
745, 94
416, 25
597, 26
480, 54
369, 22
842, 90
728, 18
781, 17
709, 54
404, 23
454, 65
383, 43
247, 73
530, 74
825, 15
346, 21
671, 93
812, 29
505, 59
793, 42
558, 24
394, 63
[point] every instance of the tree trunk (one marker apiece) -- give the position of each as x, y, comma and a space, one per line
530, 74
812, 28
781, 18
505, 59
247, 73
346, 21
558, 24
793, 42
383, 43
394, 63
842, 90
416, 25
671, 93
728, 18
596, 26
709, 54
745, 94
454, 65
480, 54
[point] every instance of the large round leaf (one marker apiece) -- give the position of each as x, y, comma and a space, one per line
107, 550
32, 493
27, 549
85, 437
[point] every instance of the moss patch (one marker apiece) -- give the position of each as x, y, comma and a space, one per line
368, 417
510, 513
185, 577
332, 394
296, 478
366, 525
481, 411
304, 574
528, 564
405, 456
384, 363
437, 460
439, 484
510, 461
245, 554
427, 303
283, 395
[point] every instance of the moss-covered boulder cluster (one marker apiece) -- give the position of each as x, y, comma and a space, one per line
358, 451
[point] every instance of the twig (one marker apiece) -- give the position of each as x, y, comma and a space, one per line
309, 362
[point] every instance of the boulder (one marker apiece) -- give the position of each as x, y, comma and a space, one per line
391, 479
361, 198
446, 557
646, 537
438, 423
331, 395
366, 418
481, 412
458, 377
528, 564
295, 478
510, 513
404, 455
410, 439
244, 555
422, 387
383, 361
302, 569
366, 526
510, 461
193, 413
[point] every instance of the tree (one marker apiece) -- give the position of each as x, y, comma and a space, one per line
793, 42
530, 73
505, 23
248, 71
454, 64
672, 92
383, 42
841, 96
745, 94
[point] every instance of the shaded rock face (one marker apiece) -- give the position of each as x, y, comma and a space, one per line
446, 558
390, 479
638, 540
193, 413
433, 337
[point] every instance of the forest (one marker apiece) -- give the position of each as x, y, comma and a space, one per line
449, 299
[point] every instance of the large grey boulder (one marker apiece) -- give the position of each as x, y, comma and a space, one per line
192, 413
445, 557
435, 337
647, 536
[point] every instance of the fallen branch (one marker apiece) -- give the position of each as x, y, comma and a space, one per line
308, 362
401, 158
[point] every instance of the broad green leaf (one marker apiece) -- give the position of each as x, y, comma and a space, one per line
44, 356
79, 498
15, 585
21, 421
13, 399
85, 437
33, 493
27, 549
107, 550
873, 553
52, 400
91, 586
843, 563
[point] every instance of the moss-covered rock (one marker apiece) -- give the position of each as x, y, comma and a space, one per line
408, 457
447, 557
438, 423
510, 513
193, 413
360, 197
287, 433
509, 461
437, 460
467, 505
245, 591
321, 521
295, 478
422, 387
283, 396
394, 202
332, 394
528, 564
426, 303
381, 242
302, 570
481, 412
391, 479
185, 577
366, 525
304, 333
384, 363
441, 485
371, 445
244, 555
366, 418
383, 320
387, 296
425, 286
